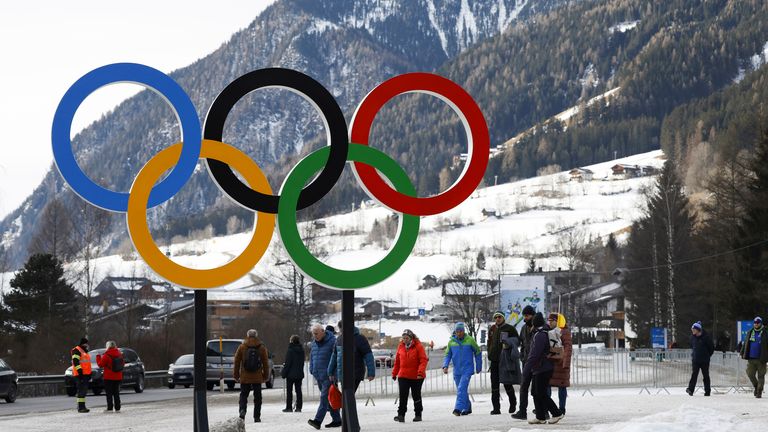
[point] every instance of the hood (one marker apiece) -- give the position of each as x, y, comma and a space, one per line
113, 352
414, 341
252, 341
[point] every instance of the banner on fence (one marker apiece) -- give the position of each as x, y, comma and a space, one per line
742, 328
518, 291
659, 337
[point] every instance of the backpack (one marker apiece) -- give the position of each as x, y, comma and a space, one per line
252, 359
118, 363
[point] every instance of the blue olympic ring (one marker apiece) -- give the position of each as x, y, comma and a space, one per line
153, 79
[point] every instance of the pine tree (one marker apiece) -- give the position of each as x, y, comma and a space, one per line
41, 300
752, 279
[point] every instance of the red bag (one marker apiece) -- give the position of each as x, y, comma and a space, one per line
334, 397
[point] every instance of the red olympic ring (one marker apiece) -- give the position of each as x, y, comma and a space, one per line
474, 125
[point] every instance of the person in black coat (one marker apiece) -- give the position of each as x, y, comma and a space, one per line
293, 373
540, 368
525, 342
496, 333
702, 348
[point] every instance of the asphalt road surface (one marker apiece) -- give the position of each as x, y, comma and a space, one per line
127, 397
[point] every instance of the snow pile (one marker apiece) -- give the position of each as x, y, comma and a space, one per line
623, 27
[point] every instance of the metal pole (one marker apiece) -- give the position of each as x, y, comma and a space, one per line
349, 410
201, 334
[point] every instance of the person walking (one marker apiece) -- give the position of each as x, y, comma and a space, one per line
112, 364
251, 369
409, 371
498, 331
755, 351
363, 359
293, 373
702, 349
319, 358
81, 371
525, 338
467, 360
540, 368
561, 374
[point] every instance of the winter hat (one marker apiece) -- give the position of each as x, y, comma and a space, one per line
83, 341
459, 327
538, 320
696, 325
409, 333
330, 329
498, 313
758, 320
529, 310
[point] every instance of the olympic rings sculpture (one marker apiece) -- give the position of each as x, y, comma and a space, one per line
257, 195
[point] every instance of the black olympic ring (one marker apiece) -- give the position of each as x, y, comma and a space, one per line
313, 92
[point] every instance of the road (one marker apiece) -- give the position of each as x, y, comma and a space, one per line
127, 397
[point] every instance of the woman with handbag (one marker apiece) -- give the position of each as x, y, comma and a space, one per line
561, 358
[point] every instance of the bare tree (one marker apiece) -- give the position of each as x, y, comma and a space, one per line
573, 246
53, 233
467, 297
87, 235
294, 291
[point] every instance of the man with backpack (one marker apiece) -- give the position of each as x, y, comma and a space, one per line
251, 369
112, 364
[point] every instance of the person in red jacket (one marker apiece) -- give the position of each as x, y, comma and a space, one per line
112, 363
409, 370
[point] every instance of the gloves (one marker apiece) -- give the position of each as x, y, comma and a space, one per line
394, 378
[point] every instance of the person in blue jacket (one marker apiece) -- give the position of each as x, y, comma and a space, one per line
363, 359
322, 350
467, 360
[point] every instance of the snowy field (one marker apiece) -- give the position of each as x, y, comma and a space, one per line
616, 410
530, 215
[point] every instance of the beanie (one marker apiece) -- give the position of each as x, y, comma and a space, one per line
459, 327
696, 325
758, 320
529, 310
498, 313
83, 341
538, 320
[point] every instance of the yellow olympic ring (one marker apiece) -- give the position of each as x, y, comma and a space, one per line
142, 239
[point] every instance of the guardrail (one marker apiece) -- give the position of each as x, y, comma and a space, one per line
52, 385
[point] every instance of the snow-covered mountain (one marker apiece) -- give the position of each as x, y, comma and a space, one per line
348, 46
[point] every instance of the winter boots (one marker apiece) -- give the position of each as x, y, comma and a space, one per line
81, 408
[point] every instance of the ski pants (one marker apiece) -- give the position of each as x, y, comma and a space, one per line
462, 392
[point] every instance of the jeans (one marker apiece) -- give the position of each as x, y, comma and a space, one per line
324, 407
414, 386
704, 367
462, 394
495, 390
542, 402
112, 390
562, 395
245, 389
290, 386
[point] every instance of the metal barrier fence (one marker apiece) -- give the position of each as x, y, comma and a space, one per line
653, 369
642, 369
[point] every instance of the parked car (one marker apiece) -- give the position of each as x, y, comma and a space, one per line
133, 373
181, 372
383, 358
9, 383
220, 363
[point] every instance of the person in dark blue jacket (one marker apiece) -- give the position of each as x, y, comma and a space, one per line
702, 349
319, 357
540, 369
467, 360
363, 359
